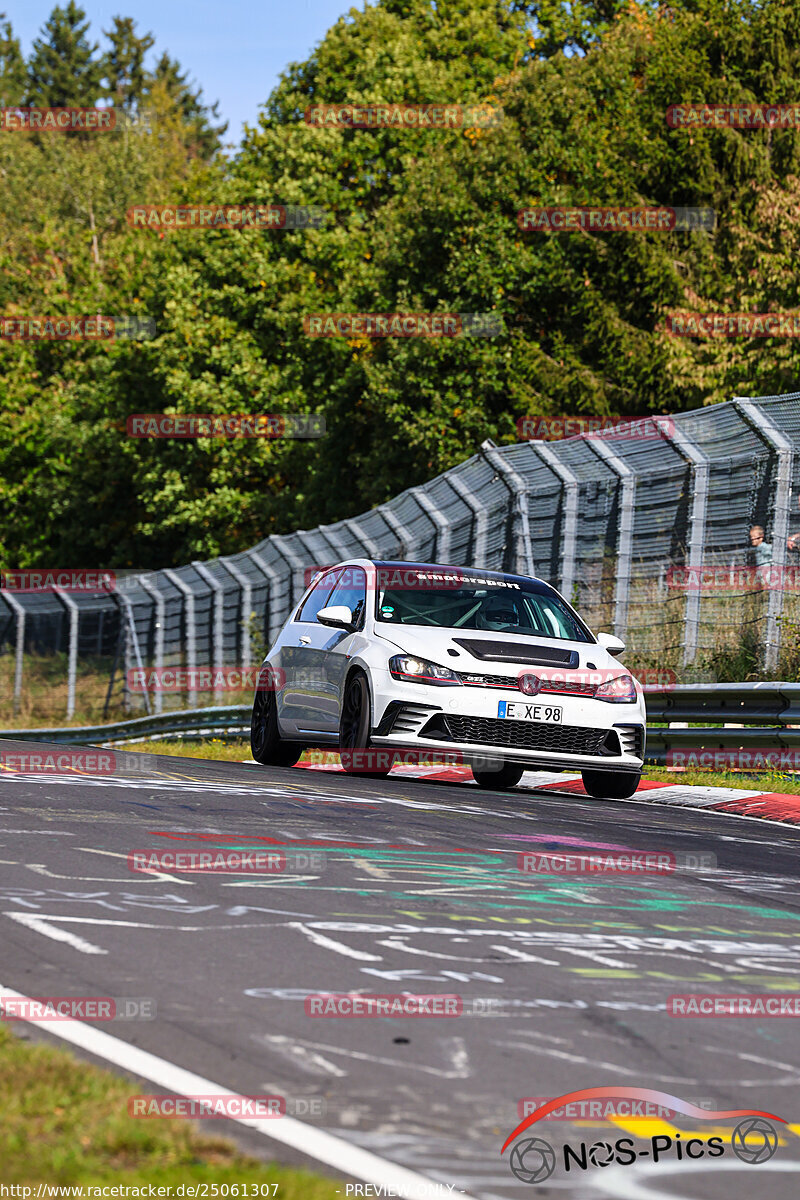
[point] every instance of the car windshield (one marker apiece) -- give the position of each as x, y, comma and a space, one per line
502, 605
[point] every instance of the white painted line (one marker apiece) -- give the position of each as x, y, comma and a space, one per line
324, 1147
327, 943
32, 921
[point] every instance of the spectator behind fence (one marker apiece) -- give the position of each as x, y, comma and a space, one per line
762, 551
793, 542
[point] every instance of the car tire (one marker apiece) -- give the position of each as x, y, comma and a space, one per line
354, 727
507, 776
611, 785
266, 744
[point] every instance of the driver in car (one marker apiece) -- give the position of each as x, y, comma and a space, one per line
499, 614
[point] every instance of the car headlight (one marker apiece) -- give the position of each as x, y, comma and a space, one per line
418, 670
620, 690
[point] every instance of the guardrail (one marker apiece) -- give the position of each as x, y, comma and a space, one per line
194, 722
767, 708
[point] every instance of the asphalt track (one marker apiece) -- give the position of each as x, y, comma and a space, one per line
419, 892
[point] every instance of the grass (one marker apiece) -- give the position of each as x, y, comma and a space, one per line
44, 692
218, 749
230, 750
43, 703
66, 1122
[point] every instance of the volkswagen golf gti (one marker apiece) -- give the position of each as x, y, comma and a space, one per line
496, 668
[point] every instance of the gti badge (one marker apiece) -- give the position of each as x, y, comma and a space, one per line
531, 685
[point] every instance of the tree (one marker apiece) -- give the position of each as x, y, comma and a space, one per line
63, 69
188, 104
12, 66
125, 74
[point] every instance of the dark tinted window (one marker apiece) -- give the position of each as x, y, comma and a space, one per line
508, 604
352, 591
318, 597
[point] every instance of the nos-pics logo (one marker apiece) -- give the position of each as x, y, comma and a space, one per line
754, 1139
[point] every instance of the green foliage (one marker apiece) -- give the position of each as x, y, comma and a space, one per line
12, 65
420, 220
63, 68
125, 74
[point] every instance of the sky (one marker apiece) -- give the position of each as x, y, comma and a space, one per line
235, 50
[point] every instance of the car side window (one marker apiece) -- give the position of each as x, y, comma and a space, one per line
319, 596
352, 591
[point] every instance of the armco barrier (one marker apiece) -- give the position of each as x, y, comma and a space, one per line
191, 723
766, 709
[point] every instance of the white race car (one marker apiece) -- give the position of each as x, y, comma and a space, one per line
495, 669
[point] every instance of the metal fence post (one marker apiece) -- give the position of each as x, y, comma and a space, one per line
15, 606
479, 513
627, 479
768, 431
518, 489
569, 523
160, 609
366, 541
442, 545
246, 602
333, 539
397, 527
699, 464
191, 630
296, 566
131, 641
217, 627
72, 659
274, 618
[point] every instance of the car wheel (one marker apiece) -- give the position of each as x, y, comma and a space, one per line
611, 785
354, 726
507, 776
265, 739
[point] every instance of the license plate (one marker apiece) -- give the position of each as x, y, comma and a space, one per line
518, 710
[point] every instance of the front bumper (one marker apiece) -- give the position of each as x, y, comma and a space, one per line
463, 721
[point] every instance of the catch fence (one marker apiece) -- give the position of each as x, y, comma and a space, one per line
644, 529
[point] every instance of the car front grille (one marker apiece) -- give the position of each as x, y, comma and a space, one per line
523, 735
560, 687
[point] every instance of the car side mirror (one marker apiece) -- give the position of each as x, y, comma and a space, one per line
338, 616
611, 643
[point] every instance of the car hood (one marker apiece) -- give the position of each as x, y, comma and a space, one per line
482, 652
